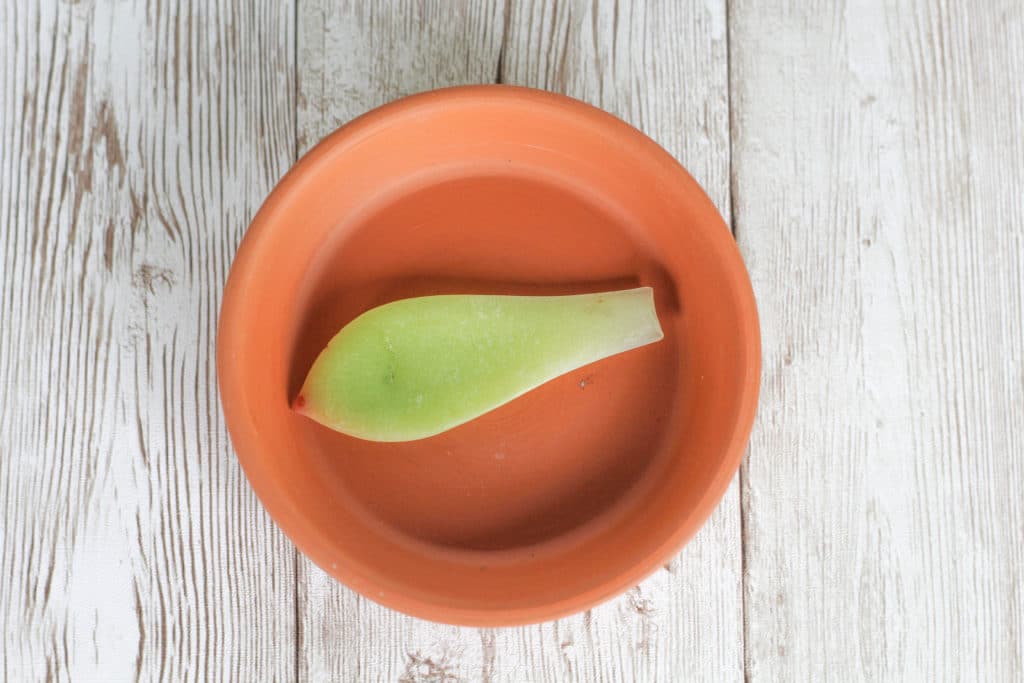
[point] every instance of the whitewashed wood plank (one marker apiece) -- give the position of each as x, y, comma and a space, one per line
664, 69
661, 66
878, 179
352, 57
136, 140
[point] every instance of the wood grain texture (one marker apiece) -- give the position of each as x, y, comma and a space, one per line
661, 66
878, 182
664, 69
877, 174
352, 57
136, 140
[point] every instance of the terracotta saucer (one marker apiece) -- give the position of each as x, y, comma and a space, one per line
564, 497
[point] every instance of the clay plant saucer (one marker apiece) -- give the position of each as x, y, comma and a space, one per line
567, 495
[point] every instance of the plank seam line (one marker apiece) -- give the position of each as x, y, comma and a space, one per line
744, 636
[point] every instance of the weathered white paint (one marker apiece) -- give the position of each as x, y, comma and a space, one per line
136, 140
878, 176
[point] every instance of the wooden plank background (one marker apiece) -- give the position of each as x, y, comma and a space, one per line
870, 158
878, 170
